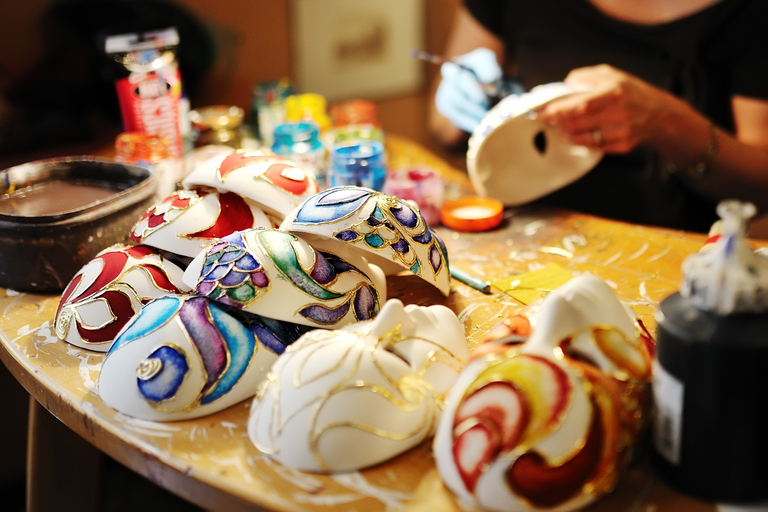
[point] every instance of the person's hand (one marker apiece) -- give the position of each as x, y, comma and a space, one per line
460, 96
618, 113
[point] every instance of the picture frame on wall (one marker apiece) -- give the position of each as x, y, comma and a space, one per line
347, 49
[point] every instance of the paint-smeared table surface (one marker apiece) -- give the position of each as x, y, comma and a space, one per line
210, 461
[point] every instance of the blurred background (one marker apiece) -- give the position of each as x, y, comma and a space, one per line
53, 72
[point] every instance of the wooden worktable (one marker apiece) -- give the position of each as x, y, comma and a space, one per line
210, 461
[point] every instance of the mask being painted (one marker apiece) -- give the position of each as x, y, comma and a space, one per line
544, 161
185, 356
347, 399
548, 424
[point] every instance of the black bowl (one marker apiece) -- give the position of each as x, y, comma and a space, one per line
57, 214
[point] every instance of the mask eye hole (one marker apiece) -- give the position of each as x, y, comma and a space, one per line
580, 356
540, 142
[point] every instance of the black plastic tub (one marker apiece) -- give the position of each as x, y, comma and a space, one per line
56, 214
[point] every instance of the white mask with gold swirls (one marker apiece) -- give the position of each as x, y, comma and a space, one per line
347, 399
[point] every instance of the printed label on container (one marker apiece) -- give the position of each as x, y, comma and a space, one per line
149, 103
669, 393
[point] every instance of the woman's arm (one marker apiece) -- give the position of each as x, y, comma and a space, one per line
466, 35
740, 169
622, 112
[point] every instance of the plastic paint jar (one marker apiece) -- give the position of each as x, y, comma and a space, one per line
308, 107
300, 142
353, 112
360, 163
423, 186
268, 108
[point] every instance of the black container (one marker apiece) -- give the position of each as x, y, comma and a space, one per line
717, 426
57, 214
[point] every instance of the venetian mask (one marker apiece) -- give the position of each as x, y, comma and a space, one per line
186, 356
277, 185
543, 161
278, 275
549, 423
188, 220
392, 233
109, 290
347, 399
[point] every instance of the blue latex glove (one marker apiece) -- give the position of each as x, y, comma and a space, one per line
460, 96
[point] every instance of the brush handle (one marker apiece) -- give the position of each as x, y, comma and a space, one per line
492, 89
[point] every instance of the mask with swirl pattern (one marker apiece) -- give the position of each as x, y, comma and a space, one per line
110, 290
276, 274
347, 399
548, 424
185, 356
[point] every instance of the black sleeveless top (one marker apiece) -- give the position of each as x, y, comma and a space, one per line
704, 58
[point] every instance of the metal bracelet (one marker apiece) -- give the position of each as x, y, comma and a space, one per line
701, 168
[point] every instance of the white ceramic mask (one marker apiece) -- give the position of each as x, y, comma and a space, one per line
188, 220
183, 357
549, 424
277, 275
109, 290
513, 157
392, 233
276, 184
347, 399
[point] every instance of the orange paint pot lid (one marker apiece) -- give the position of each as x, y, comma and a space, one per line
472, 213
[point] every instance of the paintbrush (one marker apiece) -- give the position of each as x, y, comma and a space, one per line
469, 280
492, 89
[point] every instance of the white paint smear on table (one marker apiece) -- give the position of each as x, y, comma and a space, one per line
85, 369
613, 258
325, 499
301, 480
44, 330
644, 293
146, 427
571, 241
661, 254
393, 500
230, 426
464, 315
237, 463
639, 252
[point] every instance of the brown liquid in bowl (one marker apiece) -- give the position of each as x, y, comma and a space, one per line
53, 197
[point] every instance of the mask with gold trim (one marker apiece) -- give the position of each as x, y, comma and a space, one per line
347, 399
188, 220
549, 423
278, 275
390, 232
276, 184
184, 357
109, 290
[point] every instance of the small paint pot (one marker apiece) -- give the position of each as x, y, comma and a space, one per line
360, 163
472, 213
421, 185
